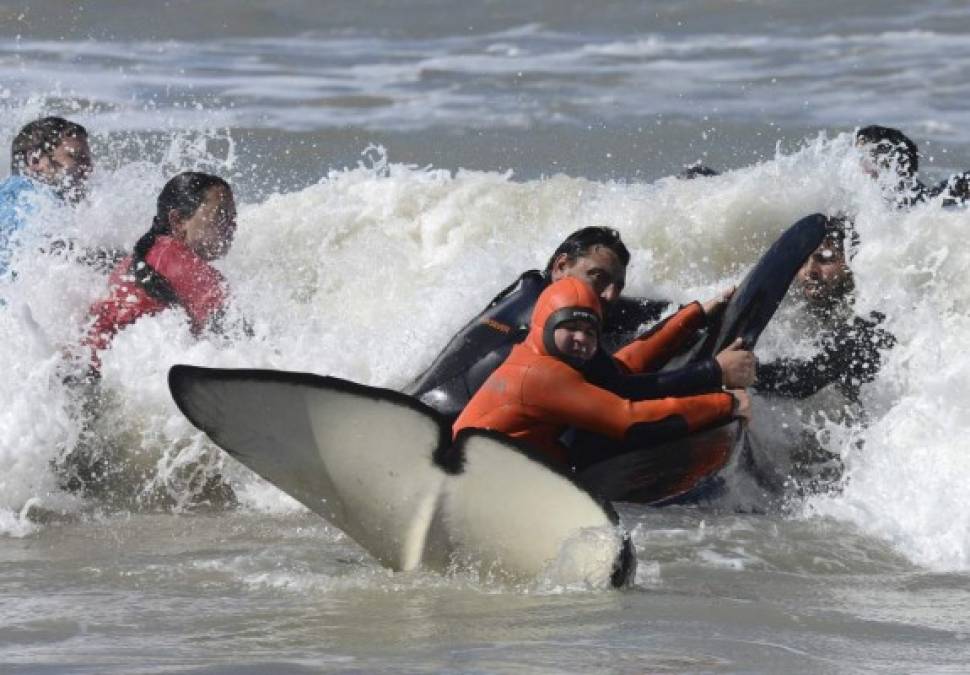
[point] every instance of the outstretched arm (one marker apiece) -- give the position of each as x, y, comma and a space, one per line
566, 398
655, 347
795, 378
849, 357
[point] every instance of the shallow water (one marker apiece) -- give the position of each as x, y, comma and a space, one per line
245, 592
504, 128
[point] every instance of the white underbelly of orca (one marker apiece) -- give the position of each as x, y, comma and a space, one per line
382, 467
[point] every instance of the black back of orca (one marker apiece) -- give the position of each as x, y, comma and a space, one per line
686, 469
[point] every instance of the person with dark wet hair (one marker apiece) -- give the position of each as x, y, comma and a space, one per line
581, 241
169, 267
889, 147
195, 223
850, 346
597, 256
50, 162
890, 150
54, 151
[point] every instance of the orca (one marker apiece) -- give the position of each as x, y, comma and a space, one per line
382, 467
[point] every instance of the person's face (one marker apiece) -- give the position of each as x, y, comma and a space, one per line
66, 168
877, 158
600, 268
576, 339
825, 276
210, 230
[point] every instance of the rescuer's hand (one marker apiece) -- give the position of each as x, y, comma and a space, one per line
737, 366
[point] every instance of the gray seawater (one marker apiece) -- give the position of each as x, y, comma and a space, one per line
623, 90
280, 97
242, 592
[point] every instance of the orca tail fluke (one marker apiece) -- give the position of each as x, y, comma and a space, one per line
382, 467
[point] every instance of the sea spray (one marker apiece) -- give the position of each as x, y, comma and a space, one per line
366, 273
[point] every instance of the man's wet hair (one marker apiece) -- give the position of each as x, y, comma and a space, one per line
840, 230
581, 242
697, 170
892, 142
41, 136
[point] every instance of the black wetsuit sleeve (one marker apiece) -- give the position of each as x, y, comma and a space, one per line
795, 378
702, 377
849, 357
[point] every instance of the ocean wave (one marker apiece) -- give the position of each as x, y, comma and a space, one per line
366, 273
519, 77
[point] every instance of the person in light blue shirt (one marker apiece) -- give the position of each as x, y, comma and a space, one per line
19, 198
50, 160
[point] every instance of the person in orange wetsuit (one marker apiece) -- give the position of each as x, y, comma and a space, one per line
540, 389
170, 266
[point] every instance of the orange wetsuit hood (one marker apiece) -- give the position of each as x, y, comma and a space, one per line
568, 299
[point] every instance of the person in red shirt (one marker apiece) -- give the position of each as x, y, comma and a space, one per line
170, 266
540, 389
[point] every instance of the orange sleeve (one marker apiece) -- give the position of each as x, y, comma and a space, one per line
653, 349
564, 397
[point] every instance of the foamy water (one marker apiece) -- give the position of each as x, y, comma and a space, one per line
364, 275
506, 127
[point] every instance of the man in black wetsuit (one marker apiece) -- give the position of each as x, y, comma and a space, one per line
597, 256
890, 150
849, 345
886, 148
